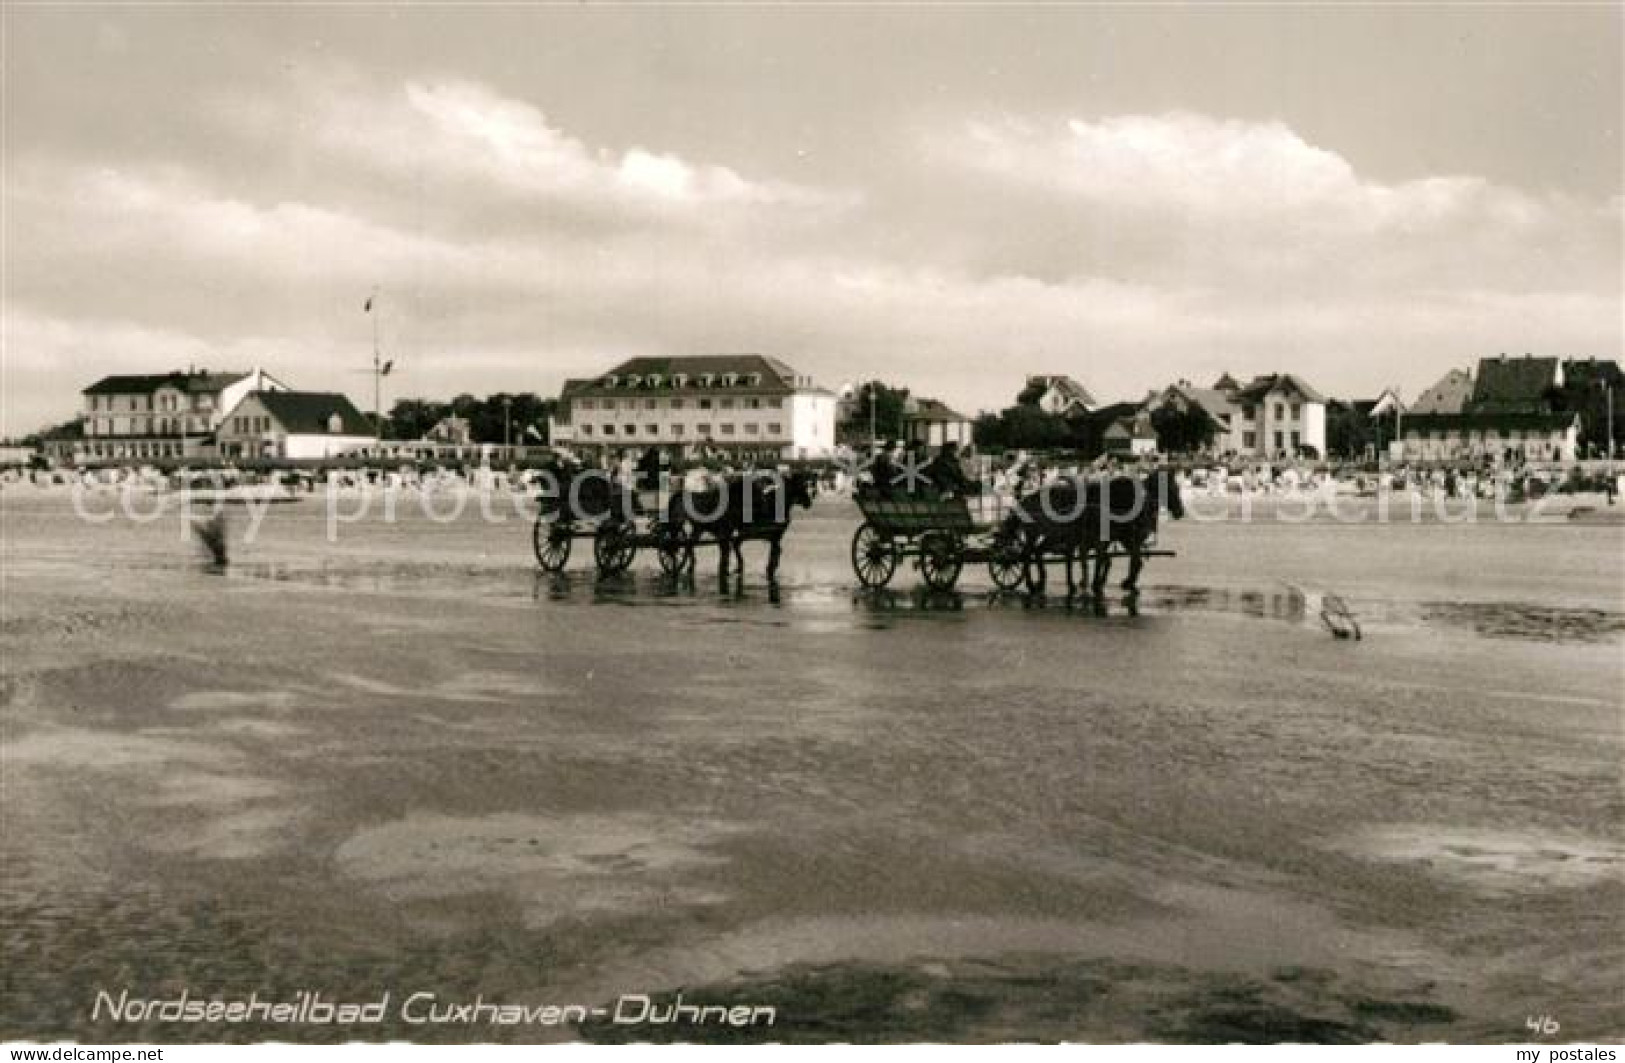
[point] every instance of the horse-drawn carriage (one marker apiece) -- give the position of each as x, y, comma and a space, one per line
619, 522
942, 533
1074, 520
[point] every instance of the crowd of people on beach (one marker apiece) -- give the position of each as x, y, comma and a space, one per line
888, 468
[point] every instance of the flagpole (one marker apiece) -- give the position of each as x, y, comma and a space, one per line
377, 385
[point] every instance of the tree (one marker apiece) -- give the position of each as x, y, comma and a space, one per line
1027, 427
498, 418
1182, 430
889, 403
412, 418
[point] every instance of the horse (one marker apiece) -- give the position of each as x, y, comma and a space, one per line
1076, 517
752, 506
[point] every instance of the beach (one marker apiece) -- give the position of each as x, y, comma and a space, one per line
404, 761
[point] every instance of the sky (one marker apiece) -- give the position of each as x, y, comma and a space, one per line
948, 198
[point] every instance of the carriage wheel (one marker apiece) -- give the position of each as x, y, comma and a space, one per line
942, 556
613, 548
874, 557
1007, 560
675, 551
551, 540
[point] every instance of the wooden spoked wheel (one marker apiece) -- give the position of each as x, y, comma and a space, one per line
551, 540
613, 548
874, 556
1007, 560
942, 556
673, 548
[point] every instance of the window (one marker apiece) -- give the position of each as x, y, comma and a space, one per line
1297, 409
586, 429
609, 429
652, 429
775, 429
676, 404
753, 404
649, 404
702, 429
1280, 411
1248, 413
752, 429
677, 430
728, 429
1280, 442
777, 404
705, 404
727, 404
586, 404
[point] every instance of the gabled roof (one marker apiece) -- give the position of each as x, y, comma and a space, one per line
1260, 386
1133, 426
1217, 404
1226, 382
147, 383
934, 411
310, 412
1448, 395
1069, 389
1514, 383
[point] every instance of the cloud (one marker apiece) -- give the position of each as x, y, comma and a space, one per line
513, 252
1230, 202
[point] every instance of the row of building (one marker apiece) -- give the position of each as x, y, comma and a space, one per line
753, 406
196, 415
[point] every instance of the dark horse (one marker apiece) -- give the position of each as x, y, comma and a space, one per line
1077, 517
754, 505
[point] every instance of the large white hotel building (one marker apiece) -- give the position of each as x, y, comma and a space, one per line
745, 404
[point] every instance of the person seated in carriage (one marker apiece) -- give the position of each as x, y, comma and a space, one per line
883, 473
946, 475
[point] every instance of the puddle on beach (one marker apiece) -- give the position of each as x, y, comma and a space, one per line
1285, 603
1495, 861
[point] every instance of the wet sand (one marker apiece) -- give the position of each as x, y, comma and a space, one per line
408, 762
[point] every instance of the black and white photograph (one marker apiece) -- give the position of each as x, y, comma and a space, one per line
812, 523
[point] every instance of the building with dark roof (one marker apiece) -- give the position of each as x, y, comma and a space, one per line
162, 415
293, 425
1500, 435
1515, 385
746, 404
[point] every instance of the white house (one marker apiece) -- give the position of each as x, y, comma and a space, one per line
1280, 416
932, 423
748, 405
293, 425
